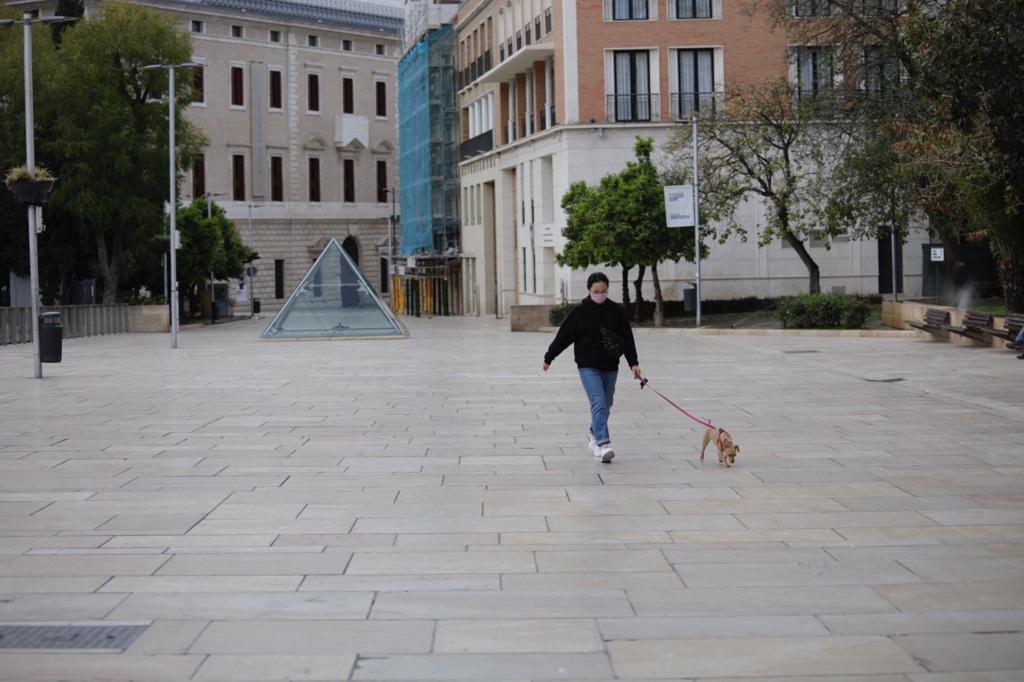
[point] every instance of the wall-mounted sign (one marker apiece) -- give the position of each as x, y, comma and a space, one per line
938, 254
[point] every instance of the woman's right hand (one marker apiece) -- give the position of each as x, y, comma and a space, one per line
546, 366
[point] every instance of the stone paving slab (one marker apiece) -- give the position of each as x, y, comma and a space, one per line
428, 510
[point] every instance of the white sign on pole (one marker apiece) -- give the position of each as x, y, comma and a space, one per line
679, 206
938, 254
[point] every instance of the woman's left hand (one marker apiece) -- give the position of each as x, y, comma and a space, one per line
637, 374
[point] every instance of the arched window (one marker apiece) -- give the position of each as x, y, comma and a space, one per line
352, 249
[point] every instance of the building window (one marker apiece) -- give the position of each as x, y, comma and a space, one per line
238, 177
696, 83
237, 86
519, 40
349, 167
881, 71
197, 26
693, 9
547, 20
625, 10
275, 90
379, 49
346, 45
312, 41
278, 279
810, 8
382, 182
348, 99
314, 179
198, 176
236, 31
198, 86
313, 92
276, 178
814, 70
275, 36
536, 26
632, 98
526, 30
382, 98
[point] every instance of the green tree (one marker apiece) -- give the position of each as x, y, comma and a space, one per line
111, 130
621, 222
593, 236
774, 145
210, 248
970, 151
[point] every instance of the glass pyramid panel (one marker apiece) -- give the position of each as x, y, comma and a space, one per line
333, 300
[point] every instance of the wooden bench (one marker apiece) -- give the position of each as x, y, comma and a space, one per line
935, 321
973, 325
1011, 327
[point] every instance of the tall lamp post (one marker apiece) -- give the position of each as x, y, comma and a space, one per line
250, 268
173, 182
30, 162
208, 197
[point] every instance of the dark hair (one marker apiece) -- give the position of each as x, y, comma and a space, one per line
596, 277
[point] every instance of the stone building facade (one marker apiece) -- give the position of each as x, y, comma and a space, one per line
557, 91
297, 100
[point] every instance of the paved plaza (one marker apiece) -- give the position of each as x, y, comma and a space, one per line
427, 509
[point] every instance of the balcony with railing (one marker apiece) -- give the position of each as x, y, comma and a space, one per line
633, 108
685, 105
473, 71
484, 142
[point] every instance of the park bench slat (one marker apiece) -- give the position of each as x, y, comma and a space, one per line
973, 325
935, 321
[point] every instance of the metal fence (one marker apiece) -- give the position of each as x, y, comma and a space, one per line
78, 320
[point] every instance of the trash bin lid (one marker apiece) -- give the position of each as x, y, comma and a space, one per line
52, 315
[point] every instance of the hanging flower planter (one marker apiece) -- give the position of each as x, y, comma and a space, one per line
33, 192
32, 189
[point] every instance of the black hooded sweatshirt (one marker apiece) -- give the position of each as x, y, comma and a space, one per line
582, 328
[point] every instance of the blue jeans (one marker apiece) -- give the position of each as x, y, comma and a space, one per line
600, 389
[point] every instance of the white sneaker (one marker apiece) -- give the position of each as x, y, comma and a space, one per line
594, 447
606, 453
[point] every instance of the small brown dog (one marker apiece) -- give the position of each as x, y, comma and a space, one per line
727, 450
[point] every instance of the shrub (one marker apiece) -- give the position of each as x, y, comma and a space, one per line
558, 314
823, 311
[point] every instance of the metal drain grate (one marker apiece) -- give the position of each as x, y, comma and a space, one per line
797, 352
117, 637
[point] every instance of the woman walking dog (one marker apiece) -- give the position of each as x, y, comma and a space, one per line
600, 332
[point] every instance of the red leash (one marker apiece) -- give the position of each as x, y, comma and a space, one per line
643, 383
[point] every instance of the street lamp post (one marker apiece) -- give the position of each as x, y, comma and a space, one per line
250, 267
30, 162
173, 183
209, 214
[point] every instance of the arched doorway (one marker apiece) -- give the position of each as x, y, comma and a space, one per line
352, 249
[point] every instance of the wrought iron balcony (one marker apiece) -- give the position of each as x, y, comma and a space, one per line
685, 105
484, 142
633, 108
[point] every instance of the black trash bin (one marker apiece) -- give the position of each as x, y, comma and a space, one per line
255, 306
51, 337
690, 299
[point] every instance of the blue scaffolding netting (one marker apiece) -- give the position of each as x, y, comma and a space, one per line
427, 146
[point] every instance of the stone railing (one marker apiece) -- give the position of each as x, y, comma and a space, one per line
86, 320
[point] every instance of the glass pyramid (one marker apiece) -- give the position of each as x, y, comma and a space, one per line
333, 300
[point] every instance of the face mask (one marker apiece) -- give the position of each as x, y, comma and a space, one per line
599, 298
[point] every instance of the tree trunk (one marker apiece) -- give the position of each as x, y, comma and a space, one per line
638, 286
813, 272
1011, 274
109, 264
659, 302
625, 286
